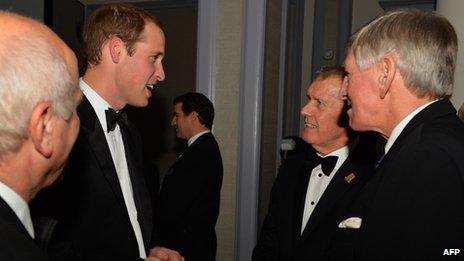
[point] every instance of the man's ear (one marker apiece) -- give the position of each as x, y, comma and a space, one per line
387, 71
194, 116
41, 129
116, 47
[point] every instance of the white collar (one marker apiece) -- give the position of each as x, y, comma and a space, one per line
18, 205
400, 127
342, 153
196, 136
98, 103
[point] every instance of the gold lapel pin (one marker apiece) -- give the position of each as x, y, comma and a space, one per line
349, 178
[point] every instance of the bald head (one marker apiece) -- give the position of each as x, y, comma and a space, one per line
14, 25
36, 66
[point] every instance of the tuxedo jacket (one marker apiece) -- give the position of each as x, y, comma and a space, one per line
15, 242
413, 207
87, 203
189, 201
281, 237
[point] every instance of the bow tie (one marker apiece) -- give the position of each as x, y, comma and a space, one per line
113, 118
327, 163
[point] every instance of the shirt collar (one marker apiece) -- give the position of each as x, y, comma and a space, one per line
400, 126
342, 153
98, 103
196, 136
18, 205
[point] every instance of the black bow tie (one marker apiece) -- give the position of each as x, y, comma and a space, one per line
327, 163
113, 118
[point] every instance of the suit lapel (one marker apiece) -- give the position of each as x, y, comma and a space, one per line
300, 194
139, 186
333, 193
434, 110
7, 214
92, 130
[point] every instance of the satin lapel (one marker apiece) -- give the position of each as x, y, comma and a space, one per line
300, 196
333, 194
7, 214
139, 185
91, 130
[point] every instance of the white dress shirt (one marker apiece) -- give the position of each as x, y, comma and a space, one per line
318, 182
19, 207
400, 127
118, 154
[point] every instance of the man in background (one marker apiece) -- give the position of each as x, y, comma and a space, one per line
401, 69
191, 190
105, 203
316, 186
38, 99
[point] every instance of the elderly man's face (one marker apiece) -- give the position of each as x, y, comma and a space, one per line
361, 90
322, 115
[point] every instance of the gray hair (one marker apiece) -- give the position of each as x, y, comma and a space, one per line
31, 71
424, 46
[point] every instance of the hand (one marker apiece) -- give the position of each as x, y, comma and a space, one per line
164, 254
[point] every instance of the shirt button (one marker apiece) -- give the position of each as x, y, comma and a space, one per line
320, 175
312, 202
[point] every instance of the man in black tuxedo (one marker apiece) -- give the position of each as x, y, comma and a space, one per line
104, 206
191, 190
401, 68
314, 188
39, 124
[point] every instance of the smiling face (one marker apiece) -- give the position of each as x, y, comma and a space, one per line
139, 72
360, 88
322, 114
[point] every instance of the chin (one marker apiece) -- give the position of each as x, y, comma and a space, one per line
307, 138
139, 103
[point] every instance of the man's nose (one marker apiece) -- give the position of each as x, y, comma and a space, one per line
159, 73
343, 93
306, 110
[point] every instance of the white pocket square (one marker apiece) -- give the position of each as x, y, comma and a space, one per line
352, 222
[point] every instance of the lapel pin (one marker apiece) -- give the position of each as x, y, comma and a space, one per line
350, 177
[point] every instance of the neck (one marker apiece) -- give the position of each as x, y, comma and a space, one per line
100, 80
16, 177
329, 148
400, 109
197, 130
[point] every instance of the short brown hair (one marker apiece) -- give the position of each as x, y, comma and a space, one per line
194, 101
122, 20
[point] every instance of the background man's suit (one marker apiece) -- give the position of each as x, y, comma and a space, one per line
88, 203
15, 241
189, 201
281, 237
413, 207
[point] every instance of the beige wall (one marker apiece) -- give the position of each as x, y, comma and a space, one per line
269, 122
452, 10
228, 55
307, 53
